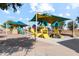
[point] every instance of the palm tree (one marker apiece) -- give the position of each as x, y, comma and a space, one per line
6, 6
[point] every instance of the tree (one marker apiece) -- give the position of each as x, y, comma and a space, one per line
7, 25
77, 19
6, 6
71, 25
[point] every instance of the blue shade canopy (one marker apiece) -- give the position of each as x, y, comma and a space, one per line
17, 23
21, 23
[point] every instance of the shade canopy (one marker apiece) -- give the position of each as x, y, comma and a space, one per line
11, 24
57, 24
49, 18
19, 23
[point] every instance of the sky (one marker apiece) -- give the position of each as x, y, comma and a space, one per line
28, 10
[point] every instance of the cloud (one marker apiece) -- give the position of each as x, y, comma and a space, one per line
67, 7
11, 17
20, 18
7, 12
74, 5
67, 14
61, 15
27, 19
64, 14
42, 7
33, 6
45, 7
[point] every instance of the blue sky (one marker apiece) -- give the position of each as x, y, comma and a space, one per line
28, 10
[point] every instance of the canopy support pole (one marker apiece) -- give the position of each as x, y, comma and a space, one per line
6, 31
36, 26
73, 29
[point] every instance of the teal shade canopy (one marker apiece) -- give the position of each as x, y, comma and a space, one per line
17, 23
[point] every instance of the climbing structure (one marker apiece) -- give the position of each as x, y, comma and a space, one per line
42, 18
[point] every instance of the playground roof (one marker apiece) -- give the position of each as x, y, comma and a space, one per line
17, 23
49, 19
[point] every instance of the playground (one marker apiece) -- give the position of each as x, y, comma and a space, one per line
39, 29
39, 39
43, 31
12, 27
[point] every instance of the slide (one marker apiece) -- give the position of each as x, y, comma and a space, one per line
46, 36
56, 31
34, 33
38, 34
44, 32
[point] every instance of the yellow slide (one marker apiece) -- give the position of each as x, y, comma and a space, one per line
46, 36
56, 32
45, 33
34, 34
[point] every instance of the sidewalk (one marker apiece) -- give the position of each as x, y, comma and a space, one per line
45, 49
42, 47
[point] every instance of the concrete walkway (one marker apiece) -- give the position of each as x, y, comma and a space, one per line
42, 47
